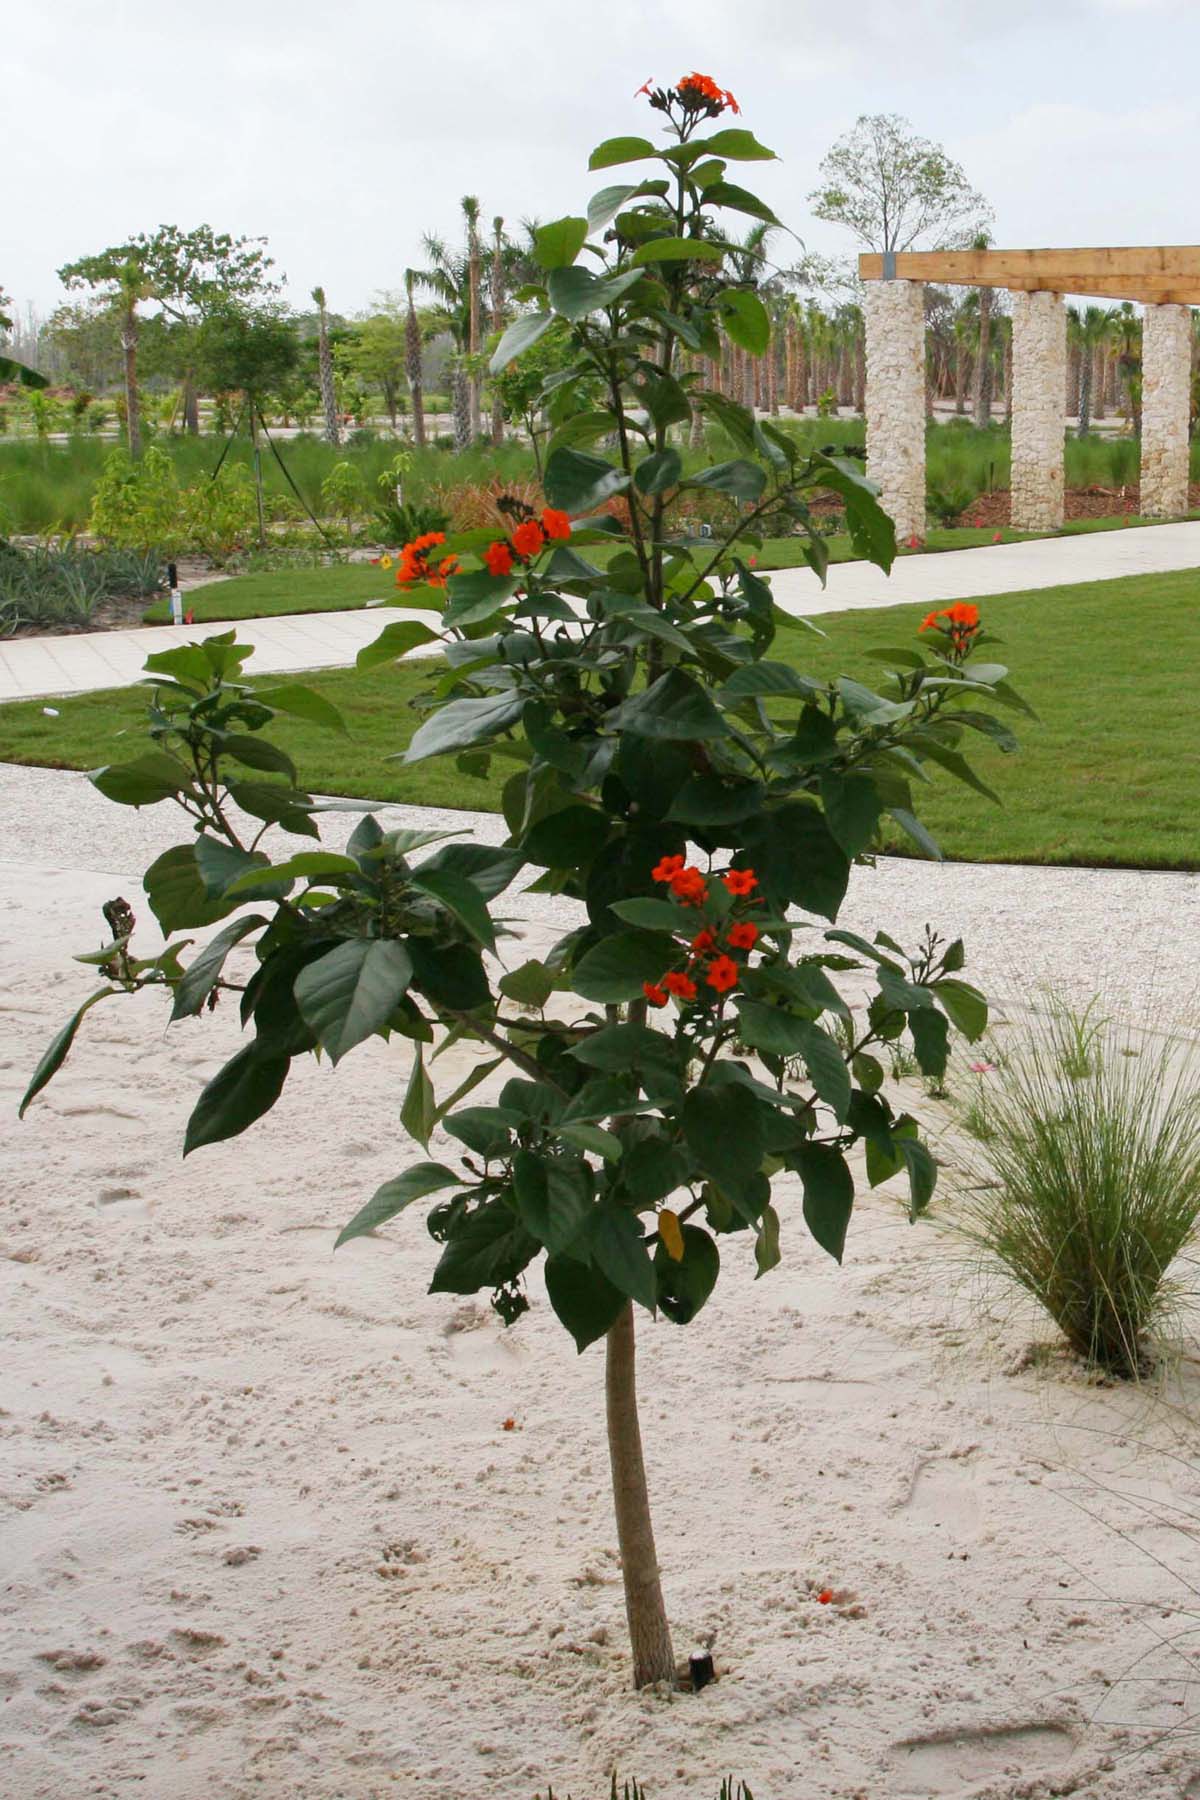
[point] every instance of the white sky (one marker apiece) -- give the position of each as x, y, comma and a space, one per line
341, 130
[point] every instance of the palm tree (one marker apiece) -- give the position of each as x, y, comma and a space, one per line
498, 298
470, 207
412, 357
333, 429
1088, 330
448, 279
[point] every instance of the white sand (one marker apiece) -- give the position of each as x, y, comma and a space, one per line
264, 1533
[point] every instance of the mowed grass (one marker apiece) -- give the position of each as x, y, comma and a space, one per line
344, 586
1106, 776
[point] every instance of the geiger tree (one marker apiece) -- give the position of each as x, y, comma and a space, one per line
684, 1060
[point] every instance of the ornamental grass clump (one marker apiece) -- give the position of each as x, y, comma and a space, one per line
667, 1091
1086, 1189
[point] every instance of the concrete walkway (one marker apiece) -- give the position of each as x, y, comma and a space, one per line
33, 667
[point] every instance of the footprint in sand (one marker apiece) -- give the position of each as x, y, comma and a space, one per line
945, 1497
475, 1344
961, 1763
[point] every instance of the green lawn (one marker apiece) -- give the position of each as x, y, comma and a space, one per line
1107, 776
345, 586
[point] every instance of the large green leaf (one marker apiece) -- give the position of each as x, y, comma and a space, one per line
828, 1194
853, 807
737, 199
553, 1196
459, 895
489, 1247
615, 1240
221, 864
574, 293
577, 482
241, 1092
461, 723
145, 781
674, 706
418, 1115
656, 473
351, 992
476, 596
736, 145
392, 1198
723, 1129
678, 249
616, 968
568, 839
584, 1300
620, 150
555, 246
177, 895
302, 703
797, 859
394, 641
743, 480
490, 867
521, 335
204, 971
55, 1053
965, 1005
684, 1285
746, 320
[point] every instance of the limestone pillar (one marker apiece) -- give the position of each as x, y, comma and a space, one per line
1039, 423
895, 400
1166, 380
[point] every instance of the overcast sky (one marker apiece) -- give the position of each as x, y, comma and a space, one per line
342, 130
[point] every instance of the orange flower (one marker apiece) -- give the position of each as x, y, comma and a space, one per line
743, 936
690, 887
703, 941
722, 974
657, 996
667, 868
498, 558
702, 85
447, 567
646, 88
930, 622
963, 614
528, 538
740, 881
555, 523
682, 986
414, 562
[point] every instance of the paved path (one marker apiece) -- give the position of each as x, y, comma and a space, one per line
71, 665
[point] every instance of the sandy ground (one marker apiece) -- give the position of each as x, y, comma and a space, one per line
264, 1531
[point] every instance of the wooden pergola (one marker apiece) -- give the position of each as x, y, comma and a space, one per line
1163, 278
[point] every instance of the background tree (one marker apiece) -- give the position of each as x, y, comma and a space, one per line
333, 427
470, 207
894, 189
374, 352
254, 352
83, 343
10, 368
412, 357
119, 278
498, 296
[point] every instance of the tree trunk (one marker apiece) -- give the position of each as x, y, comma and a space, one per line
333, 428
133, 404
191, 406
1085, 391
983, 362
475, 387
412, 366
258, 480
961, 365
498, 298
1097, 360
461, 400
649, 1632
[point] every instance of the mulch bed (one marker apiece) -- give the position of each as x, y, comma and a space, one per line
1078, 503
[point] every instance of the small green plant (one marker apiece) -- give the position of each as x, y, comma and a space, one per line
344, 493
400, 524
947, 504
138, 505
56, 587
1091, 1188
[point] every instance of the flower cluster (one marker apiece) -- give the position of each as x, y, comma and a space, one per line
707, 956
694, 93
415, 567
527, 540
961, 622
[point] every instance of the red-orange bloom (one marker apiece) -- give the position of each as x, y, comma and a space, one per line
963, 614
647, 87
743, 936
930, 622
722, 974
555, 522
690, 887
498, 557
682, 986
657, 996
703, 941
667, 868
740, 881
528, 538
414, 562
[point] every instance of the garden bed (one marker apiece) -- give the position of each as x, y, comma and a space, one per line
1122, 503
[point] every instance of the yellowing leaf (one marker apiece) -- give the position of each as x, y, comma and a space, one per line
671, 1233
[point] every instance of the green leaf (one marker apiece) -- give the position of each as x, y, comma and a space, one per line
393, 642
476, 596
178, 898
553, 1196
746, 320
754, 680
55, 1053
922, 1173
450, 975
965, 1006
766, 1244
736, 144
797, 859
606, 204
576, 292
653, 915
853, 806
392, 1198
620, 150
143, 782
241, 1092
418, 1115
674, 706
521, 335
577, 482
568, 839
615, 969
350, 993
489, 867
913, 828
828, 1194
459, 896
953, 763
461, 723
656, 473
615, 1240
276, 804
931, 1040
489, 1247
684, 1286
304, 866
708, 800
221, 864
677, 249
530, 985
744, 480
204, 971
555, 246
302, 703
583, 1300
723, 1129
738, 199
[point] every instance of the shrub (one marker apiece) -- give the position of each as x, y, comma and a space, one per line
62, 586
947, 504
471, 504
138, 504
1090, 1186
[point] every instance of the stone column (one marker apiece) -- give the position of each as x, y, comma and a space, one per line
1166, 381
1039, 424
895, 400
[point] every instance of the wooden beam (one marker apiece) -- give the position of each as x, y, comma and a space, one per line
1153, 274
